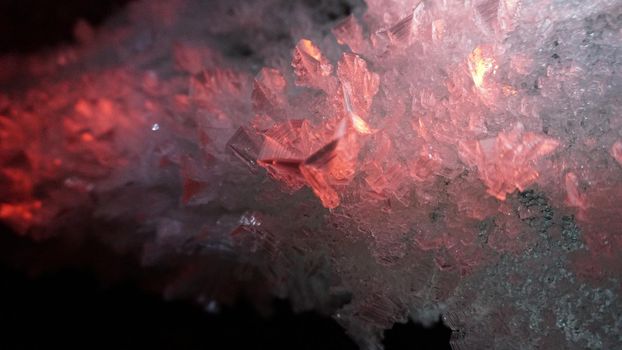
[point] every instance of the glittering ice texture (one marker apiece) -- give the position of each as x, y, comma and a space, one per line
412, 159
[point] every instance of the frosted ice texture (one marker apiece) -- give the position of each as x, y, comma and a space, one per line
417, 159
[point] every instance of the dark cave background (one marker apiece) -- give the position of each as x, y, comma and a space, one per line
75, 301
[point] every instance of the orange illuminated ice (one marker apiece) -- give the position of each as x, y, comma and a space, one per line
20, 215
359, 86
407, 29
217, 90
358, 123
481, 64
616, 151
424, 164
349, 32
310, 49
295, 169
294, 154
268, 93
574, 197
438, 29
298, 154
507, 162
311, 68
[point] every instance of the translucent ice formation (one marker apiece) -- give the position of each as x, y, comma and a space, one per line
415, 159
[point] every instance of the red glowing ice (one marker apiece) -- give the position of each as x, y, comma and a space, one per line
312, 69
507, 162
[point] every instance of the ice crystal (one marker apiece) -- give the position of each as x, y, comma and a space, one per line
414, 159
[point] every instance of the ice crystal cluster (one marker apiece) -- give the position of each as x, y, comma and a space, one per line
414, 159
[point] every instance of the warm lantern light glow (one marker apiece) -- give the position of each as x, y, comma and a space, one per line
360, 125
481, 65
310, 49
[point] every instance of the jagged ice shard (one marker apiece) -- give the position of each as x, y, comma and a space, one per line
417, 159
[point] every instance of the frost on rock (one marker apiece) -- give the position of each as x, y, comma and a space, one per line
415, 159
